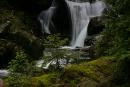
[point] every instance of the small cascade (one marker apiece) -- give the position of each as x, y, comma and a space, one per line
81, 13
82, 35
45, 18
4, 73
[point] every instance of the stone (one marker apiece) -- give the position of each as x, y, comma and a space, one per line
1, 83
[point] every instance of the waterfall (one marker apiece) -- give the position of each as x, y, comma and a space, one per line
81, 13
45, 18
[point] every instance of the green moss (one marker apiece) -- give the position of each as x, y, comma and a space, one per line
46, 80
80, 70
95, 70
103, 65
87, 74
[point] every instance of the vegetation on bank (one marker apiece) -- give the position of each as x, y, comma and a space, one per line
87, 74
17, 31
20, 45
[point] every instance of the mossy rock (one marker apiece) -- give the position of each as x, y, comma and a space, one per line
86, 74
47, 80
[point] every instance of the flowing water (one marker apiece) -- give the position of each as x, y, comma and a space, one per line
3, 73
81, 13
45, 18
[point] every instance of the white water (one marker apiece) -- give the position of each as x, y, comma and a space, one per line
81, 13
39, 63
45, 18
4, 73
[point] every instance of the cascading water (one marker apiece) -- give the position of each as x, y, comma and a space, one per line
81, 13
45, 18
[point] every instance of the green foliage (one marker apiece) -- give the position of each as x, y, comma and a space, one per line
16, 65
56, 55
121, 73
47, 80
93, 69
119, 6
18, 80
20, 64
59, 55
21, 71
116, 37
54, 41
87, 74
73, 56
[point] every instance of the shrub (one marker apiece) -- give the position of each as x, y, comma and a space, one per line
21, 64
18, 80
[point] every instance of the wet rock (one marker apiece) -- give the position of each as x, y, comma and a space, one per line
95, 26
1, 83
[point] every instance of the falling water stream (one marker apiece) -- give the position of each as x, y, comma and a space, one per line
45, 18
81, 14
